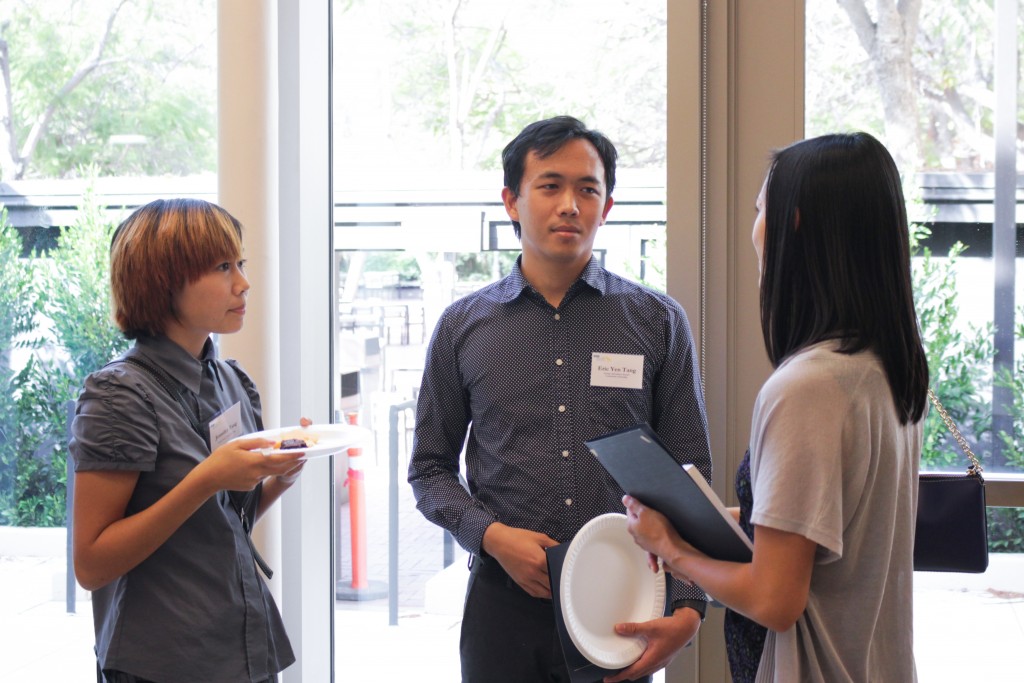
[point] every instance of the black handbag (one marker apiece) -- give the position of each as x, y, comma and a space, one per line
952, 520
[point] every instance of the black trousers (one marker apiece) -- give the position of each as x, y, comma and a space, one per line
507, 635
111, 676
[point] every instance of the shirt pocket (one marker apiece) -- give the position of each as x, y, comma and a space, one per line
611, 408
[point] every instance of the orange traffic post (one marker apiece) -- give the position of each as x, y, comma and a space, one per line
357, 513
360, 586
357, 526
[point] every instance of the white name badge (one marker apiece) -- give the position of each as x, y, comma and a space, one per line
622, 370
226, 426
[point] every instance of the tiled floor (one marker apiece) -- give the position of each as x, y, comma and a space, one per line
971, 627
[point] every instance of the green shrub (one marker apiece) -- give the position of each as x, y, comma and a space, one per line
17, 302
1013, 443
68, 334
37, 476
959, 360
960, 363
80, 309
1006, 530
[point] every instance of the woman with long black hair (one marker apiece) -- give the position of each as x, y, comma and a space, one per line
836, 432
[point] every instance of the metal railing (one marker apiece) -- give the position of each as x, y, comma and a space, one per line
448, 551
393, 415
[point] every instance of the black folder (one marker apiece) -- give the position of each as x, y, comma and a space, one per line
581, 669
645, 470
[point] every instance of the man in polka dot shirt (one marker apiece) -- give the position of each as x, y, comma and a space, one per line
519, 366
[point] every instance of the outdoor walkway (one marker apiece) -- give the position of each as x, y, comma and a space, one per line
420, 543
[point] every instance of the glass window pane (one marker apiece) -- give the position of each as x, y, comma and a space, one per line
931, 94
929, 98
98, 124
426, 96
109, 105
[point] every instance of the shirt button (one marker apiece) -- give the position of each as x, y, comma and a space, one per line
557, 317
561, 409
558, 361
568, 501
565, 454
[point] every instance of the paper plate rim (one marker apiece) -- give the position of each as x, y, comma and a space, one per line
632, 647
334, 438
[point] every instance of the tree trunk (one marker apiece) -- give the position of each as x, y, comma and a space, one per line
9, 165
13, 161
889, 43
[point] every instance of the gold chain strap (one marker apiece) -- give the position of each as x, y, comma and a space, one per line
975, 468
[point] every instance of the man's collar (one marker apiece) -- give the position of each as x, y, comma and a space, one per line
593, 274
515, 283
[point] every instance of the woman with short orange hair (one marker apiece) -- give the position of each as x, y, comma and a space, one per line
165, 493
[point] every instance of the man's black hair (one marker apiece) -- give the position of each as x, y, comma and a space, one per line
547, 137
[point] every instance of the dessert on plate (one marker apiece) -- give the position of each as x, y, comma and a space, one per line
296, 439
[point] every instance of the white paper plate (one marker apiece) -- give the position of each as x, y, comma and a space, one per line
331, 438
606, 581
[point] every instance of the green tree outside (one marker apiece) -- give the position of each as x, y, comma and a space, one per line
123, 86
71, 334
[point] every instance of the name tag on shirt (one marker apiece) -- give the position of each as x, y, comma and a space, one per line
621, 370
226, 426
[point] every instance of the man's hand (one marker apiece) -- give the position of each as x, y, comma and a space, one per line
665, 638
521, 554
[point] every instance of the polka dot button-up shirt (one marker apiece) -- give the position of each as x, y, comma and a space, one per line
515, 373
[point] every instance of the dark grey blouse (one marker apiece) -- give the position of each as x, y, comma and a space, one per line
196, 609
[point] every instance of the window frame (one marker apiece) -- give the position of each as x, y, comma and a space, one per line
753, 102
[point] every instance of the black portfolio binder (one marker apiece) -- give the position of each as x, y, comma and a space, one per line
645, 470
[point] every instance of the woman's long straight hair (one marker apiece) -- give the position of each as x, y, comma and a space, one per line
837, 260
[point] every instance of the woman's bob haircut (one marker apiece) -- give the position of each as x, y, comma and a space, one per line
836, 260
160, 248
